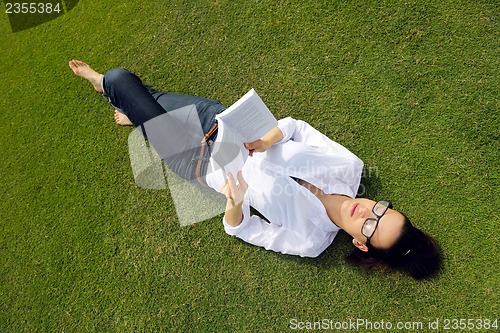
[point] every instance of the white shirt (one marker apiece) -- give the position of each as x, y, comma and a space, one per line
299, 224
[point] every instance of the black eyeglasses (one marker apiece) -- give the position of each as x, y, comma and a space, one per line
371, 224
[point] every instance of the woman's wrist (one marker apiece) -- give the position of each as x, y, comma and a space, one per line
267, 143
273, 136
234, 213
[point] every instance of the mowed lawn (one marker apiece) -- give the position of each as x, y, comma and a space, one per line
411, 87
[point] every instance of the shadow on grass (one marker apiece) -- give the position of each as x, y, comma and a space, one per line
333, 256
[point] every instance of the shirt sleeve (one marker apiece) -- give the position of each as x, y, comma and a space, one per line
256, 231
287, 126
301, 131
341, 168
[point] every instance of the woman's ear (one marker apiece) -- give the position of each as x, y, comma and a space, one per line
360, 245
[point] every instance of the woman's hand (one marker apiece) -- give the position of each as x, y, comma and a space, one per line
257, 146
265, 142
235, 193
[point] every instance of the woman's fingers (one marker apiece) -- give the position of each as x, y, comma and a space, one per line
242, 182
235, 191
226, 188
231, 182
256, 146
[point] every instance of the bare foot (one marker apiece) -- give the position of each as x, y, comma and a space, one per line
122, 119
82, 69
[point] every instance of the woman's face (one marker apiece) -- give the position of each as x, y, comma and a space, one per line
354, 213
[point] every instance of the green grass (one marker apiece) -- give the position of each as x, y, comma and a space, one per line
411, 87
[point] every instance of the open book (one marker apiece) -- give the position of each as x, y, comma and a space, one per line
245, 121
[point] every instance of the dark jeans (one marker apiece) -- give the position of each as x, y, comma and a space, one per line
174, 124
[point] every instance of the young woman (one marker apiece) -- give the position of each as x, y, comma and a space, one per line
303, 183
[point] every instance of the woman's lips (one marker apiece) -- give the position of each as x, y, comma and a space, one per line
353, 208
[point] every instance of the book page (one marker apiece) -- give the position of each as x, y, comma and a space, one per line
229, 152
249, 117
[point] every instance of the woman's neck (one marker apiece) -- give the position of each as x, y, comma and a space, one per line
332, 203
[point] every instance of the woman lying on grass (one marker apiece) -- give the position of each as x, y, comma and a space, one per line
302, 182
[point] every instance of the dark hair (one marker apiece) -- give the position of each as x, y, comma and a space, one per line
414, 252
